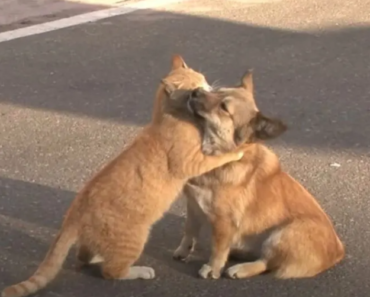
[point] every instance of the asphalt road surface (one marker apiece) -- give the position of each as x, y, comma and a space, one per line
71, 99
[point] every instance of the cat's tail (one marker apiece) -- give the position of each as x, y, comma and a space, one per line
49, 268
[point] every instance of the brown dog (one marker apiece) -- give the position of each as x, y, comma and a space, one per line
256, 209
111, 217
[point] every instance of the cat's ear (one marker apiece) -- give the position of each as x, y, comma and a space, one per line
178, 62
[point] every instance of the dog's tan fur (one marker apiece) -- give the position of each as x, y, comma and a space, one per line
111, 217
256, 209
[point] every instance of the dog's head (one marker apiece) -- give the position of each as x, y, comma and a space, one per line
232, 118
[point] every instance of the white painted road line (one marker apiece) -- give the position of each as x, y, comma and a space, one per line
84, 18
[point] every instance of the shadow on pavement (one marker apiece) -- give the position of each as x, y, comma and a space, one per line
317, 81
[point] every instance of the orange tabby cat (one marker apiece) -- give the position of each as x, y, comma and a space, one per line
111, 217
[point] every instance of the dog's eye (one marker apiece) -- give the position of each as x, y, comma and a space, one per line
224, 107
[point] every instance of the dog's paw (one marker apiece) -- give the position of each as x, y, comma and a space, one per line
206, 272
233, 272
182, 254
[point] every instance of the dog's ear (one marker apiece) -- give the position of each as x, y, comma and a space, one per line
243, 134
247, 80
178, 62
265, 128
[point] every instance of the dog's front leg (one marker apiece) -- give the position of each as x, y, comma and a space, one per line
222, 236
193, 225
